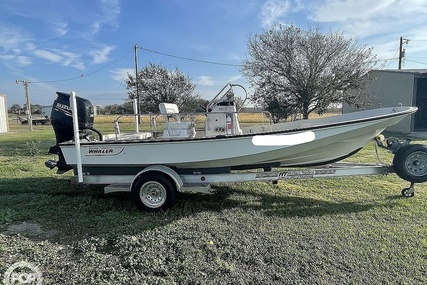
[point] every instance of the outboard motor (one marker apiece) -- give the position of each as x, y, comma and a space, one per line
62, 123
62, 119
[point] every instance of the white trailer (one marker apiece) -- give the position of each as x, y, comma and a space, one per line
155, 187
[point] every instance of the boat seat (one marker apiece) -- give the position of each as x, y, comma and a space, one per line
175, 127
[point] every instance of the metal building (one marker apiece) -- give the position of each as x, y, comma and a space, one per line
46, 111
4, 124
406, 87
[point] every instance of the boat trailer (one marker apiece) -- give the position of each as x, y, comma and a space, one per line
156, 186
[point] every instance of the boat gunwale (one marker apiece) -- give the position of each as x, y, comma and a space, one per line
325, 125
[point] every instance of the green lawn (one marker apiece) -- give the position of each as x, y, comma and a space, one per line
355, 230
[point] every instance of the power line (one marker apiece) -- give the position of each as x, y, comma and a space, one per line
190, 59
229, 64
416, 61
58, 80
380, 60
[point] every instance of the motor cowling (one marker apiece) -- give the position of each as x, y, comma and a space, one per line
62, 123
62, 119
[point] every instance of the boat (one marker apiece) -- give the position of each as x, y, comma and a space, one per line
35, 120
225, 144
175, 154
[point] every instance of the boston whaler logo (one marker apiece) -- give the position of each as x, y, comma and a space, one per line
104, 151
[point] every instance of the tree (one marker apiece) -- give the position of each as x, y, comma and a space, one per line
111, 109
157, 84
279, 105
306, 70
36, 109
15, 109
195, 106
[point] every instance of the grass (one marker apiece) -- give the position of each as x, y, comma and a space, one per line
355, 230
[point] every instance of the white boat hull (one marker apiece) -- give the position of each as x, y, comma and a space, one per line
302, 143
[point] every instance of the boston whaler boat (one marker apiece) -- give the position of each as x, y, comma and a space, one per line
155, 164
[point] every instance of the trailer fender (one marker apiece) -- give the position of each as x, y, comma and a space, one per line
162, 169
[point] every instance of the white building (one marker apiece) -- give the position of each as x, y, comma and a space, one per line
4, 124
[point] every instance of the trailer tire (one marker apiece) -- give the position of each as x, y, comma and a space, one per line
410, 163
154, 192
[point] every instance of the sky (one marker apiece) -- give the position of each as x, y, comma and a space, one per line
88, 46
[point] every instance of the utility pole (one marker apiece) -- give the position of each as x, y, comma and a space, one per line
136, 82
27, 97
402, 50
136, 78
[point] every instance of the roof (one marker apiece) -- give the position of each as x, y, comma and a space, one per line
413, 71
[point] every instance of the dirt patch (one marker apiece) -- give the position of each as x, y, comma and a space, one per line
30, 229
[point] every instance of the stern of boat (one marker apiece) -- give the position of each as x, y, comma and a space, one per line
62, 123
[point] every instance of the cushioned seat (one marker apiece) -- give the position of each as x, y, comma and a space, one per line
175, 127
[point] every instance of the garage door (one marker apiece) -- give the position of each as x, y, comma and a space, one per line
420, 123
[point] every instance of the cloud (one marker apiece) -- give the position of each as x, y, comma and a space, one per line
110, 10
101, 55
48, 55
272, 11
59, 56
13, 43
343, 11
72, 59
121, 74
379, 24
109, 14
205, 80
235, 78
24, 45
7, 56
366, 18
24, 60
95, 27
60, 29
11, 38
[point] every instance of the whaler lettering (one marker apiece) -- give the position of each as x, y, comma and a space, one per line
100, 150
104, 151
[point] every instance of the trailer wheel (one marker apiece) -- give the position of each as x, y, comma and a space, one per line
154, 192
410, 163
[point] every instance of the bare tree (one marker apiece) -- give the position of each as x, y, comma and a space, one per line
156, 84
306, 71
